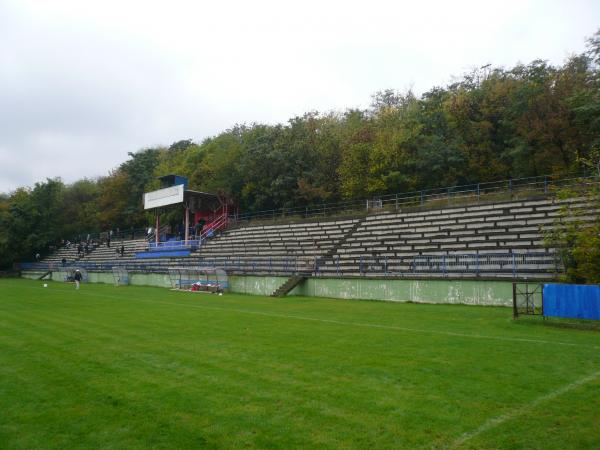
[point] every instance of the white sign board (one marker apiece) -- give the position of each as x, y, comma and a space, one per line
164, 197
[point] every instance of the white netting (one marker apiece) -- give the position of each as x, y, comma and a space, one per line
120, 275
70, 274
199, 279
527, 298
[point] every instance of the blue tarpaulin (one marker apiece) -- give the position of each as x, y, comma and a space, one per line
575, 301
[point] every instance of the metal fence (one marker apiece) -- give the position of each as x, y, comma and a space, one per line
117, 234
477, 192
509, 263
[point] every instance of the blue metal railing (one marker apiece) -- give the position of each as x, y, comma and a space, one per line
475, 264
174, 245
481, 263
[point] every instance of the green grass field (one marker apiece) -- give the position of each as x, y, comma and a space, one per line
141, 367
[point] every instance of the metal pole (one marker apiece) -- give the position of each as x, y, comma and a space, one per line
515, 310
514, 264
187, 224
156, 232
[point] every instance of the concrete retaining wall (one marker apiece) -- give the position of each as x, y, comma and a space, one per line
470, 292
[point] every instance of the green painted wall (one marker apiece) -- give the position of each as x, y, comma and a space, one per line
32, 275
255, 285
470, 292
150, 279
138, 279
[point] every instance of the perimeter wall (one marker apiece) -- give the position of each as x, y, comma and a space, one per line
469, 292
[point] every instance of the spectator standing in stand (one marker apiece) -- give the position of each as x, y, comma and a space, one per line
122, 250
199, 227
37, 257
108, 239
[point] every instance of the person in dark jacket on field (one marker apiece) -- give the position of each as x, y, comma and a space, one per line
77, 278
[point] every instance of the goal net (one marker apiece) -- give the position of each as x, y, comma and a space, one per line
120, 275
199, 279
527, 299
70, 274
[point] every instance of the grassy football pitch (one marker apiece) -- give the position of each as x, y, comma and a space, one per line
142, 367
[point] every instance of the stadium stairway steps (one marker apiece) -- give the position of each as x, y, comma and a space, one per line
290, 284
41, 277
337, 245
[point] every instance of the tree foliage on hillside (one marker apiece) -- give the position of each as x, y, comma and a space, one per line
490, 124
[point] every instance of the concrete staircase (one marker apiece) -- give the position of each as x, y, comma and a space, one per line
290, 284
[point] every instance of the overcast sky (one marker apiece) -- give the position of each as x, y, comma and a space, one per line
84, 82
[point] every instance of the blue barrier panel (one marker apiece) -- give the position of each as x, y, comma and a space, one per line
163, 254
575, 301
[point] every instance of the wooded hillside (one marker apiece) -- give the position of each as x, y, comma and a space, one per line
490, 124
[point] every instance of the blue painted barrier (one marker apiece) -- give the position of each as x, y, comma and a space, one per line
575, 301
166, 253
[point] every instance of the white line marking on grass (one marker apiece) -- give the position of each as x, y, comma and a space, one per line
494, 422
388, 327
361, 324
356, 324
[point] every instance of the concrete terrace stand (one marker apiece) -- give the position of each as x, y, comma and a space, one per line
437, 255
